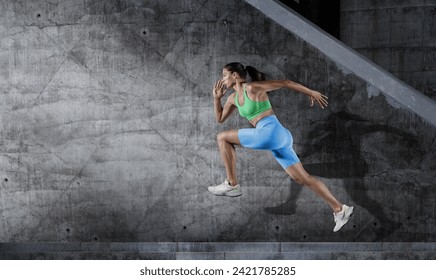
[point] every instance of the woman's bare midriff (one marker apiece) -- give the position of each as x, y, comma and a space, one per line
254, 121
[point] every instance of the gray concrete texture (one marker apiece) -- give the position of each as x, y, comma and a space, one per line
398, 35
219, 251
108, 133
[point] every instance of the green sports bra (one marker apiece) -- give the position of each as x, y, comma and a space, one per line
251, 109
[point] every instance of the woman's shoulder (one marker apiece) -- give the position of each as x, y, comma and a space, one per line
232, 97
254, 87
249, 86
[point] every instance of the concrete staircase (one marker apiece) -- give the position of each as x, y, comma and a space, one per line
397, 92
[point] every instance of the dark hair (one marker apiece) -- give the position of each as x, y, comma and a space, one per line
242, 70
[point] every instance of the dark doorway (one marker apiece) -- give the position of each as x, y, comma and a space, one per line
324, 14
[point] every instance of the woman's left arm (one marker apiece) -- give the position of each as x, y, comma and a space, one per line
270, 85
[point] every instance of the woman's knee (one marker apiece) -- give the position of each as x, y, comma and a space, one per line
308, 181
299, 175
301, 179
230, 137
221, 137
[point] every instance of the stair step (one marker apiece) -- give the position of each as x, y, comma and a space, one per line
218, 250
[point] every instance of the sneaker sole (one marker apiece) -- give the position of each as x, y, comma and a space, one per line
232, 194
228, 194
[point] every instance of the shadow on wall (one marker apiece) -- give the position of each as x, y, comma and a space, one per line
340, 138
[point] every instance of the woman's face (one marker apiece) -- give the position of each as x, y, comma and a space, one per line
228, 78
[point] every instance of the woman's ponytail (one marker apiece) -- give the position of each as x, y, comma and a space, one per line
255, 74
242, 70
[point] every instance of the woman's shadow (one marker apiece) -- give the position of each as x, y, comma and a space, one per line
338, 138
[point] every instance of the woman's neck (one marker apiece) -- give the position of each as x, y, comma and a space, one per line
239, 86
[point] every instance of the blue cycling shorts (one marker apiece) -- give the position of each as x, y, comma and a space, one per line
270, 135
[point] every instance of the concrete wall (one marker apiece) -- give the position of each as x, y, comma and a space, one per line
108, 134
398, 35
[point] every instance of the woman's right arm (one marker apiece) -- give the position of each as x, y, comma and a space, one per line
221, 114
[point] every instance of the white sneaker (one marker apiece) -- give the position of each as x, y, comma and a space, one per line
341, 218
225, 189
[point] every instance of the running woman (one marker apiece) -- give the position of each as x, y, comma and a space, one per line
251, 100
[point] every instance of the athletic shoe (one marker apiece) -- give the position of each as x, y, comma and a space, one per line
225, 189
341, 218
